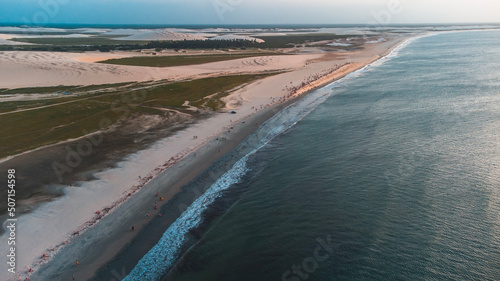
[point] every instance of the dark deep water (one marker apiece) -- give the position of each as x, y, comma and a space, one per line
396, 176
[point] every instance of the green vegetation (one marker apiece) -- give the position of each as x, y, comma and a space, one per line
87, 90
19, 105
298, 39
197, 92
106, 43
84, 41
203, 44
71, 117
80, 44
36, 90
71, 48
164, 61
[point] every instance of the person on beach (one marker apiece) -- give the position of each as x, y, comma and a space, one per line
133, 228
77, 263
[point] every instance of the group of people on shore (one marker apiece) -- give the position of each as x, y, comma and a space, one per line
291, 91
312, 78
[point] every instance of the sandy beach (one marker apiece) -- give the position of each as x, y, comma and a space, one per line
69, 229
42, 69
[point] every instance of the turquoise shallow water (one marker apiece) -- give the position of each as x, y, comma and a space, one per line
396, 176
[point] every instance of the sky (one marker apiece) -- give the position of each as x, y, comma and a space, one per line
220, 12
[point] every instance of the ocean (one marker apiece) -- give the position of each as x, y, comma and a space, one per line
392, 173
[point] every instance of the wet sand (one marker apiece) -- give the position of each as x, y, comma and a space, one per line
118, 248
38, 183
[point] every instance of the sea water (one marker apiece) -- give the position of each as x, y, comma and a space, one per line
392, 173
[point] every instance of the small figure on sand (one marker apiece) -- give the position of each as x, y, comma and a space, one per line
77, 263
133, 228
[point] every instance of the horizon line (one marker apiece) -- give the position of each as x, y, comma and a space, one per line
251, 24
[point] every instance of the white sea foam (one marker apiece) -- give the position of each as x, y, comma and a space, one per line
164, 254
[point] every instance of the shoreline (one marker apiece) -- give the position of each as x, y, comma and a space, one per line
208, 156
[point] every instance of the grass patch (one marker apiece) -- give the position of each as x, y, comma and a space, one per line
37, 90
165, 61
71, 117
298, 39
197, 91
92, 40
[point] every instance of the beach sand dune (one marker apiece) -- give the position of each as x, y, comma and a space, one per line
163, 35
40, 69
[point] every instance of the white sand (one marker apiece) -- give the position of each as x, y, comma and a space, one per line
5, 40
239, 37
39, 69
74, 35
162, 35
13, 43
339, 44
125, 31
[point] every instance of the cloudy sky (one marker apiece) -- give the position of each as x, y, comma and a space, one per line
248, 11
